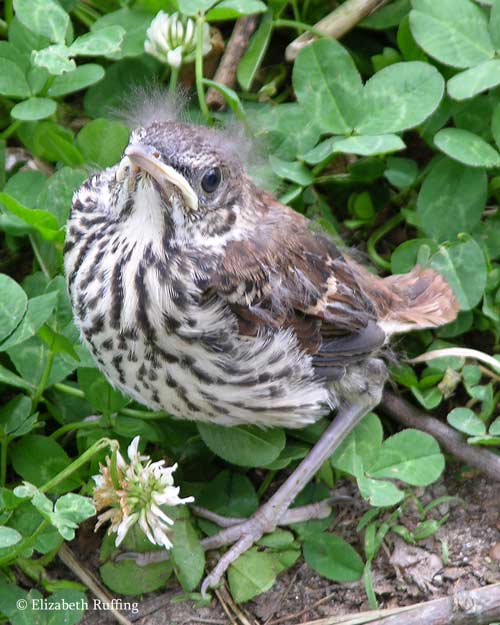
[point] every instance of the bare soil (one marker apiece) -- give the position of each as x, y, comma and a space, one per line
462, 555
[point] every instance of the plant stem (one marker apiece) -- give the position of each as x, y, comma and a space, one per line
81, 460
300, 26
47, 85
8, 12
200, 20
3, 460
144, 414
69, 390
174, 75
3, 28
11, 129
266, 482
43, 380
376, 236
128, 412
78, 425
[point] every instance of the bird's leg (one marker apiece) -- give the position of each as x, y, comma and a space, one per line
268, 517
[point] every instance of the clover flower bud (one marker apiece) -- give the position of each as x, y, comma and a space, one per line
172, 39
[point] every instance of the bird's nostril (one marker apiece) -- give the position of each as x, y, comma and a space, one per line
156, 154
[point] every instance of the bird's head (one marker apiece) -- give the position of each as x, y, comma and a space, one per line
189, 176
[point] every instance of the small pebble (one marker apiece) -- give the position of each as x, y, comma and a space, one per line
495, 552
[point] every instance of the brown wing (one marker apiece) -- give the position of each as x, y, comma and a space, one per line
284, 275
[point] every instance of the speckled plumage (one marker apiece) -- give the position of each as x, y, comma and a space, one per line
226, 308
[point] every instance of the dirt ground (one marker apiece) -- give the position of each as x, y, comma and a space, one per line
403, 574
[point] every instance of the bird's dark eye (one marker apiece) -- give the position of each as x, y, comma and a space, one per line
211, 180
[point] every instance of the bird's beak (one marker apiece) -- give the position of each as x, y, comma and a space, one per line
148, 159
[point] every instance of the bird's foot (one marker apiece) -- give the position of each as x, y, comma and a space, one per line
241, 534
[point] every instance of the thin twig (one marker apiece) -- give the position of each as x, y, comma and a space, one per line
307, 609
336, 24
458, 352
225, 607
405, 413
480, 606
88, 578
226, 72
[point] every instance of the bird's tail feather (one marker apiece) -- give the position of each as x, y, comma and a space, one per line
413, 301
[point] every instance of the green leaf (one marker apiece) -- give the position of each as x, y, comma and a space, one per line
494, 429
360, 447
41, 220
55, 59
126, 577
10, 52
54, 143
255, 52
379, 493
12, 80
495, 125
187, 555
333, 558
466, 421
33, 109
192, 7
464, 267
467, 148
387, 16
250, 575
296, 172
69, 511
9, 536
399, 97
472, 81
56, 342
451, 200
495, 24
287, 129
38, 310
455, 32
99, 392
80, 78
363, 145
232, 9
230, 96
114, 88
405, 256
134, 23
57, 191
229, 494
401, 172
100, 42
245, 446
102, 142
328, 86
13, 304
37, 459
43, 17
411, 456
15, 416
11, 379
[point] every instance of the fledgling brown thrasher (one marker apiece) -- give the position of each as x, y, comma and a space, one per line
200, 294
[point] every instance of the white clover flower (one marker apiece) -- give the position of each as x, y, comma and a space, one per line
172, 39
134, 492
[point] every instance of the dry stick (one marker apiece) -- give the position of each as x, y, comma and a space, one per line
480, 606
336, 24
83, 574
403, 412
226, 72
